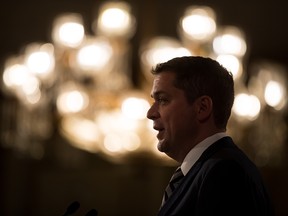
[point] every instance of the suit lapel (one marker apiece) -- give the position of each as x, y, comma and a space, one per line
179, 192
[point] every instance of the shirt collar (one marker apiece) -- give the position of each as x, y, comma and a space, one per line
197, 151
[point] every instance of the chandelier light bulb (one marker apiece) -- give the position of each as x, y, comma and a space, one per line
274, 93
247, 106
135, 108
15, 75
198, 23
71, 101
232, 64
161, 49
230, 40
39, 59
68, 30
115, 19
94, 55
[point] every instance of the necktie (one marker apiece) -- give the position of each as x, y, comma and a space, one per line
173, 183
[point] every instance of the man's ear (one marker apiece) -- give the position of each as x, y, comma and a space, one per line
204, 108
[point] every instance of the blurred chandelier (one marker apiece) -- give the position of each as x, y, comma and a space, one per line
86, 81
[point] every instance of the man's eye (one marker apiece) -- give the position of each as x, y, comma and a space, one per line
162, 100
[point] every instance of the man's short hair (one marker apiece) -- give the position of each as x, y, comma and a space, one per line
198, 76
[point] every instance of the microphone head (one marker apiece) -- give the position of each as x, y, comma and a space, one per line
92, 212
72, 208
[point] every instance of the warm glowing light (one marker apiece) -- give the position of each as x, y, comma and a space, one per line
231, 63
32, 97
39, 62
115, 20
94, 55
230, 41
71, 33
39, 59
18, 78
71, 101
163, 54
112, 144
15, 75
121, 132
199, 23
247, 106
68, 30
269, 83
31, 86
162, 49
114, 120
90, 77
274, 93
121, 142
135, 108
133, 142
83, 133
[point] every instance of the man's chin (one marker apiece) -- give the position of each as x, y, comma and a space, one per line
161, 146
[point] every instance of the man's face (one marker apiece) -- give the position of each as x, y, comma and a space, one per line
173, 117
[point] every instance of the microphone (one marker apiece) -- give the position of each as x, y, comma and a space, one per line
92, 212
72, 208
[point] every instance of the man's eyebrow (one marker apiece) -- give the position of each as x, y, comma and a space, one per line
157, 93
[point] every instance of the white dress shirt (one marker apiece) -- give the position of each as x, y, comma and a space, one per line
197, 151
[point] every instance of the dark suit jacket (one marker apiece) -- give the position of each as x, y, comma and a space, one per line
222, 182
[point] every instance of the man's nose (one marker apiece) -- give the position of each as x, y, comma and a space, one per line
152, 112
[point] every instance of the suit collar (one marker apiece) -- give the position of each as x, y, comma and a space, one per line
172, 203
198, 150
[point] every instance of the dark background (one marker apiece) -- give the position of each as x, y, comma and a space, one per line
45, 187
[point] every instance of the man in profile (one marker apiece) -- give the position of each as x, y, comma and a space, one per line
193, 97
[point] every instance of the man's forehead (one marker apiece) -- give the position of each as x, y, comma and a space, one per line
162, 82
164, 78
